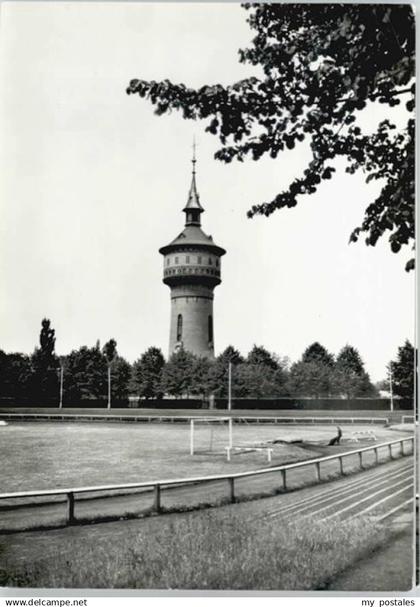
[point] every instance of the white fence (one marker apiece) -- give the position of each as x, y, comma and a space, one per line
304, 419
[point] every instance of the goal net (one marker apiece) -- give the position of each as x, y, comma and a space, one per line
210, 434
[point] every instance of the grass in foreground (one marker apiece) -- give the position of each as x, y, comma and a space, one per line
211, 550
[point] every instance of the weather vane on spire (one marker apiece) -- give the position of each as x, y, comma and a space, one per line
194, 159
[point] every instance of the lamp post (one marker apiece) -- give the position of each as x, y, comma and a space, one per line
61, 372
61, 387
230, 403
230, 387
110, 352
109, 386
390, 388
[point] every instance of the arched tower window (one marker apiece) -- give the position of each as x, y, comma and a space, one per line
179, 328
210, 328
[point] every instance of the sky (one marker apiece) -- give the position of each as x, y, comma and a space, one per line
93, 184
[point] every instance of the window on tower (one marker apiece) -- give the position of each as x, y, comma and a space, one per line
210, 261
179, 328
187, 259
199, 259
210, 328
168, 261
176, 259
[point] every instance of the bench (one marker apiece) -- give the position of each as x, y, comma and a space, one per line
249, 449
363, 434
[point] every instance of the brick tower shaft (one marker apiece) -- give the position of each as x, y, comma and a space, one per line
192, 320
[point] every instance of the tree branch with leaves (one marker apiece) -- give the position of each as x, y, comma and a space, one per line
322, 65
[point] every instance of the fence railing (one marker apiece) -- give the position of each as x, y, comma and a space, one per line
301, 419
157, 485
315, 419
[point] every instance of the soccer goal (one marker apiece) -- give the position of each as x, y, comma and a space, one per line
210, 434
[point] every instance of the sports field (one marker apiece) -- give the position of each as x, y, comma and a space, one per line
191, 549
50, 455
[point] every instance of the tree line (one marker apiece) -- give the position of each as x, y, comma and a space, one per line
100, 373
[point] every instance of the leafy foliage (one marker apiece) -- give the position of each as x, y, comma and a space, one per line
317, 374
110, 353
230, 355
47, 339
260, 356
16, 375
44, 364
318, 354
322, 65
201, 376
252, 380
260, 375
350, 377
147, 373
345, 382
86, 374
178, 374
110, 350
403, 370
121, 375
349, 359
218, 373
310, 378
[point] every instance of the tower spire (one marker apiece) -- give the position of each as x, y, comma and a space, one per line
194, 159
193, 208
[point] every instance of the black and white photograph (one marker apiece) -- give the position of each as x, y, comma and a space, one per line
208, 314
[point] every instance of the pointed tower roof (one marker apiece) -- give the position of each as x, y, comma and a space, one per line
193, 202
192, 235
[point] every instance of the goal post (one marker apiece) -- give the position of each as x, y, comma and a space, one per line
211, 423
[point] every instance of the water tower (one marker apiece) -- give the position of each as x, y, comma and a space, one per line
192, 269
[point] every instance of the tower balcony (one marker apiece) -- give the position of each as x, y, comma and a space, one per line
192, 275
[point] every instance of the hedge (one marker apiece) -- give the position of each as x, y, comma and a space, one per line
273, 404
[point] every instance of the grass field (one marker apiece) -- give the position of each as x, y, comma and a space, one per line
53, 455
201, 550
217, 549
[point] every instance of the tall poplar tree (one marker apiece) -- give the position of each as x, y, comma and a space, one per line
110, 352
45, 383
